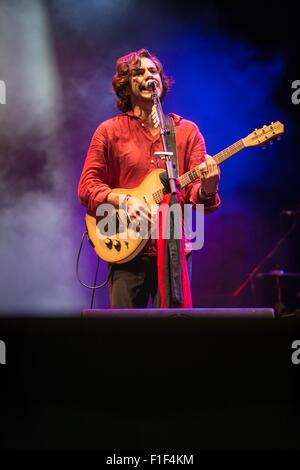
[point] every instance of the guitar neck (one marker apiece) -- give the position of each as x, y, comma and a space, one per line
197, 172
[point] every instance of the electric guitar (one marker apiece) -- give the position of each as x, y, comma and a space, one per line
117, 248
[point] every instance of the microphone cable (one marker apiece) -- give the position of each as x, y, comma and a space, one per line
94, 287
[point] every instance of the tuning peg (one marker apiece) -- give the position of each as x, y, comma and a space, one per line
271, 142
279, 138
263, 147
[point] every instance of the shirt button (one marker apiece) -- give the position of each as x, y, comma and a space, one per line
143, 125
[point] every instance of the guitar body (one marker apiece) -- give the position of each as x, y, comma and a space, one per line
120, 244
114, 248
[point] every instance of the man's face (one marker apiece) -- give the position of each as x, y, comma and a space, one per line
146, 71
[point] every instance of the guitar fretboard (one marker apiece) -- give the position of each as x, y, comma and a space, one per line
197, 171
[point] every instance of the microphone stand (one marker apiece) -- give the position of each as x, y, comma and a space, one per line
163, 132
265, 259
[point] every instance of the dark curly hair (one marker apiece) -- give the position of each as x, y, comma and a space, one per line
124, 67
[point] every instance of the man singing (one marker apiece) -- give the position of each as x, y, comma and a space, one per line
121, 154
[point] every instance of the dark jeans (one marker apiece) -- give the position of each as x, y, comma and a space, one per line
132, 284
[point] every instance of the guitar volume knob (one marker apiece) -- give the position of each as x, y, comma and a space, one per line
108, 242
117, 244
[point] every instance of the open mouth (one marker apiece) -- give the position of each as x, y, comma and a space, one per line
144, 87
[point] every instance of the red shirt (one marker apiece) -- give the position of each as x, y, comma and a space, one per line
121, 155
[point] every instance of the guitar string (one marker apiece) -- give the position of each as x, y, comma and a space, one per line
220, 157
196, 172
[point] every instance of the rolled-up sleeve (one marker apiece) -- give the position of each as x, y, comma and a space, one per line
195, 155
93, 187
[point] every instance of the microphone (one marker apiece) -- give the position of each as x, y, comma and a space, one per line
151, 84
290, 213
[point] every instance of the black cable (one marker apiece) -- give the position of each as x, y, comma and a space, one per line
96, 274
95, 280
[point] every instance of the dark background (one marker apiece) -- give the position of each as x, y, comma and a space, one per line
166, 384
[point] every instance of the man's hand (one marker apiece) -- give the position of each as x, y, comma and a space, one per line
134, 206
210, 177
133, 210
140, 216
137, 210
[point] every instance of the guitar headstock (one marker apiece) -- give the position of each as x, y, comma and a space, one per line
264, 134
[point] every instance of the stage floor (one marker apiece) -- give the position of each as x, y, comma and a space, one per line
182, 313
